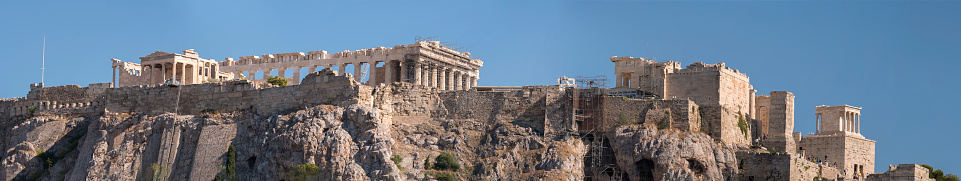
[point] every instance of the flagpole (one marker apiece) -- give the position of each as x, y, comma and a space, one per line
43, 59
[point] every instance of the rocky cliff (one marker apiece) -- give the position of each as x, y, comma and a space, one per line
345, 143
390, 132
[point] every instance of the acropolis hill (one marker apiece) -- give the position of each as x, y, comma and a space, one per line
178, 116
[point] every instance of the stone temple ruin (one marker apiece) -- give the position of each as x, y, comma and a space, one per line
422, 63
413, 84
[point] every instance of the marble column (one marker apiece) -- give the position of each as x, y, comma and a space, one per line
183, 75
357, 71
372, 78
388, 72
473, 82
433, 76
297, 75
343, 69
163, 72
418, 74
458, 84
114, 77
173, 72
442, 79
450, 79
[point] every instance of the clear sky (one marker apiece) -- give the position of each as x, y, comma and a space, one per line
898, 60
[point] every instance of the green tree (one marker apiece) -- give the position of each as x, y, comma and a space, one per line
229, 171
278, 81
939, 175
446, 161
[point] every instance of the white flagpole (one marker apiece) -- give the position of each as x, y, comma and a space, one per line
43, 59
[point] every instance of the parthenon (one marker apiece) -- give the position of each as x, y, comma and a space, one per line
422, 63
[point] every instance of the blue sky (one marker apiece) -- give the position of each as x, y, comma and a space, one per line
898, 60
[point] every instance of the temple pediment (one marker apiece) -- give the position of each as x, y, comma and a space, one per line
157, 54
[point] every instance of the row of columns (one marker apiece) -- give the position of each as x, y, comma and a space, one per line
444, 78
429, 75
178, 72
852, 122
849, 121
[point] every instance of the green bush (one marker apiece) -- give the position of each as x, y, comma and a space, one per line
397, 159
444, 176
32, 109
278, 81
305, 172
446, 161
743, 125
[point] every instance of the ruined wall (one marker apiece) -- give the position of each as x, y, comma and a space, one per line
724, 93
762, 106
66, 99
903, 172
780, 166
680, 114
843, 150
781, 123
545, 109
318, 88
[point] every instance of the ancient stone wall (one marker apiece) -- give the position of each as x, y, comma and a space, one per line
725, 92
842, 151
780, 166
66, 99
762, 109
319, 88
902, 172
781, 124
546, 109
680, 114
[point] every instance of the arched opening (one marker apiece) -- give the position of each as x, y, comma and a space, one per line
645, 169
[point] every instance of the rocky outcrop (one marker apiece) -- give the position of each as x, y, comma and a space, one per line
351, 142
647, 153
41, 145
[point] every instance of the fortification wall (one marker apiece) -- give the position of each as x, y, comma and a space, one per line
318, 88
725, 94
843, 150
781, 123
65, 99
680, 114
902, 172
545, 109
780, 166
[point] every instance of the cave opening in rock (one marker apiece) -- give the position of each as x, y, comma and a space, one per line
645, 169
695, 166
251, 162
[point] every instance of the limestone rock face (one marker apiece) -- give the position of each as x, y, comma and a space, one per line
645, 152
346, 144
33, 146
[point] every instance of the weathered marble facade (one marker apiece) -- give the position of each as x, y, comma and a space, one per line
421, 63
